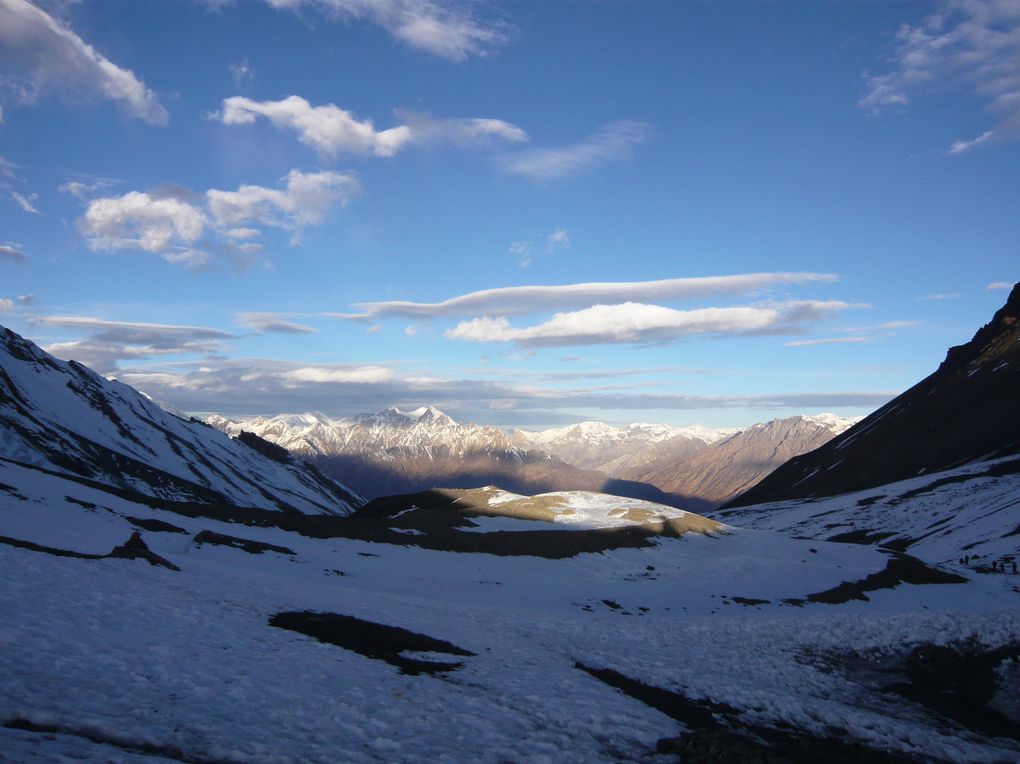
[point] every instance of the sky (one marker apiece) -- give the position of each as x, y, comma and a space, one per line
525, 213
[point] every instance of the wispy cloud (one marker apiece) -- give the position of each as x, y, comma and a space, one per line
445, 29
612, 143
172, 222
242, 73
110, 342
272, 323
42, 55
505, 301
6, 304
332, 131
10, 252
638, 323
827, 341
526, 249
27, 203
938, 296
969, 43
999, 285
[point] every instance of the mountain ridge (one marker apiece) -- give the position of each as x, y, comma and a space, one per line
972, 394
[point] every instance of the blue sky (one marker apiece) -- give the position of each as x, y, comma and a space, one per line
264, 207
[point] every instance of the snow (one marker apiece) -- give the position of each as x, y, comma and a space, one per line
946, 515
120, 650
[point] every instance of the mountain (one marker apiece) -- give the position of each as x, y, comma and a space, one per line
619, 451
967, 410
711, 465
397, 452
60, 419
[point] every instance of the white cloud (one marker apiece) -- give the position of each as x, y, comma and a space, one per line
305, 200
999, 285
970, 43
27, 299
11, 252
938, 296
331, 130
138, 220
26, 202
632, 323
320, 375
41, 54
6, 305
439, 27
613, 142
172, 222
507, 301
275, 323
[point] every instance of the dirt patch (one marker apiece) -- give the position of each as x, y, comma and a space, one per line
132, 549
245, 545
125, 744
959, 683
900, 569
862, 536
156, 526
373, 640
136, 549
717, 733
749, 601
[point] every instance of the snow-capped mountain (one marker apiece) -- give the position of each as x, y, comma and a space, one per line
618, 451
710, 465
967, 410
62, 419
388, 435
397, 452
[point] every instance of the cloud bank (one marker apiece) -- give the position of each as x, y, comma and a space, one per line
640, 323
506, 301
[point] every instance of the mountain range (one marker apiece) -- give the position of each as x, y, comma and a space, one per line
394, 452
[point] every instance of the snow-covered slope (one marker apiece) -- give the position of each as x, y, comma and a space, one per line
971, 511
61, 417
745, 643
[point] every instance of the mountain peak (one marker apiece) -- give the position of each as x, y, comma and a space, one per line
993, 340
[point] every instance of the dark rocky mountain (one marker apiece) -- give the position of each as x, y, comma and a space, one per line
967, 410
61, 419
